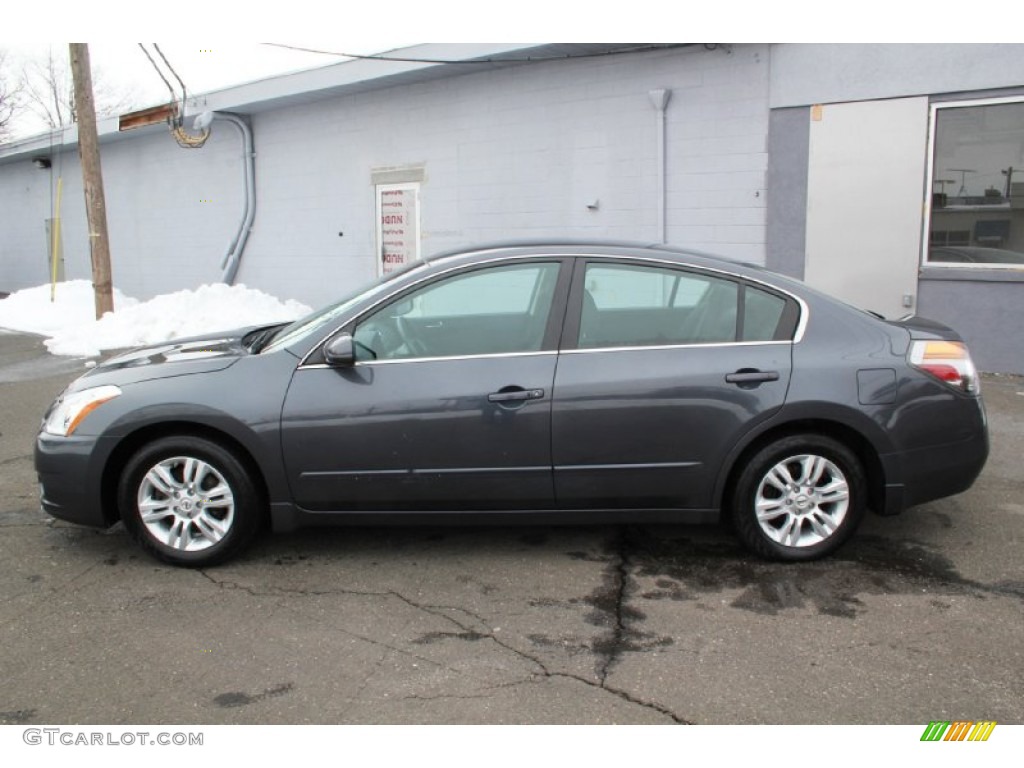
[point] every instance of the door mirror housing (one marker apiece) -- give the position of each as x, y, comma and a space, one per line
341, 350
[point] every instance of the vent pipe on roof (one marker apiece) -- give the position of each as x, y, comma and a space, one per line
659, 100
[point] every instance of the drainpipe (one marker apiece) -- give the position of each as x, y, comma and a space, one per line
233, 257
659, 99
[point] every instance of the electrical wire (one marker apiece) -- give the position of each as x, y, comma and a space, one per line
489, 60
187, 140
184, 139
181, 82
174, 96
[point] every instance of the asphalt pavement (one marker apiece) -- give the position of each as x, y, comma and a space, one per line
918, 618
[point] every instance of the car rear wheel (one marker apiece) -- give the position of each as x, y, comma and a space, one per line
189, 501
799, 498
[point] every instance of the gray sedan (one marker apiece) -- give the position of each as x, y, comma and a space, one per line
560, 381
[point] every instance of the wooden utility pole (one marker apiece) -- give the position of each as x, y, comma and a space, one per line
92, 179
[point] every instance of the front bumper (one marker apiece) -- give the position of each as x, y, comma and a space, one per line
70, 479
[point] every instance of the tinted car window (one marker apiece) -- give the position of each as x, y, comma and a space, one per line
627, 306
321, 319
762, 312
487, 311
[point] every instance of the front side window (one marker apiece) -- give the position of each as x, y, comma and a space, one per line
496, 310
977, 185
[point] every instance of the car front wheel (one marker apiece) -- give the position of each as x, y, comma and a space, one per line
799, 498
189, 501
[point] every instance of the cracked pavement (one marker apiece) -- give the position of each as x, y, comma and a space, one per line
918, 618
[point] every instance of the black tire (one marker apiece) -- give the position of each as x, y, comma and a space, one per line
802, 520
192, 524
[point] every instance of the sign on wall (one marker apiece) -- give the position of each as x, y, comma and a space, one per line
398, 225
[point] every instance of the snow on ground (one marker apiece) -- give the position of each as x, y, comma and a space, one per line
73, 330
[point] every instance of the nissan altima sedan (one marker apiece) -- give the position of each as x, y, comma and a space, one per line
564, 382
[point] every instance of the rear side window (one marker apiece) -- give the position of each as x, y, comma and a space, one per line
762, 314
634, 305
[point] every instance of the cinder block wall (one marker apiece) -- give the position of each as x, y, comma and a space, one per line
517, 152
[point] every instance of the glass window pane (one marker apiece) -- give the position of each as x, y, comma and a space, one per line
488, 311
761, 314
977, 196
628, 306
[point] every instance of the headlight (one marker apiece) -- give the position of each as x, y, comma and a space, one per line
69, 410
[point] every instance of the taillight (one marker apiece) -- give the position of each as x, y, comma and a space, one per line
948, 361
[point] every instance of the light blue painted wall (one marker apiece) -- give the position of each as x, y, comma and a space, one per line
804, 74
171, 213
518, 153
507, 153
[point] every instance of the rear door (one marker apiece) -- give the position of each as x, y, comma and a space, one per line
662, 370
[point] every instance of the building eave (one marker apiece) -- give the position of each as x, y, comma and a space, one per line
414, 64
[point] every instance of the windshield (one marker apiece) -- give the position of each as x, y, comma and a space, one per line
325, 318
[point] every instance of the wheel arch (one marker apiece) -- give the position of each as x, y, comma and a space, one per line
132, 442
865, 450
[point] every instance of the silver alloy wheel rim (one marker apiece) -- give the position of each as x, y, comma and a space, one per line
802, 500
186, 504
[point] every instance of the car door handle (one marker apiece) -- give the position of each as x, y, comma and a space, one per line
751, 376
512, 395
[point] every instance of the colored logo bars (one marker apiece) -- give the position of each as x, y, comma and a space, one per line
958, 730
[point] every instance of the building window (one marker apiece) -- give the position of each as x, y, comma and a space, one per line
976, 177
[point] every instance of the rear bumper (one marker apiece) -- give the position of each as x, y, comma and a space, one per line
924, 474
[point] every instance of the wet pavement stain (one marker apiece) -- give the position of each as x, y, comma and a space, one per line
611, 609
237, 699
688, 569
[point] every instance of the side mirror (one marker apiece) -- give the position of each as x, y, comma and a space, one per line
341, 350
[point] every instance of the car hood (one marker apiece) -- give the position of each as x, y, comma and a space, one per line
181, 357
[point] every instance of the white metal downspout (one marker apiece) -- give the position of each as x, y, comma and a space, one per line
233, 257
659, 99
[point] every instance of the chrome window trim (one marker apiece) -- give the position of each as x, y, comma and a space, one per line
416, 283
487, 355
801, 325
623, 257
710, 345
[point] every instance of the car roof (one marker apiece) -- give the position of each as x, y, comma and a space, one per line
569, 246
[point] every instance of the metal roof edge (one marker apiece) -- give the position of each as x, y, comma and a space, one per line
306, 85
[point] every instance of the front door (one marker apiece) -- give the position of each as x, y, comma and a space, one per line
448, 406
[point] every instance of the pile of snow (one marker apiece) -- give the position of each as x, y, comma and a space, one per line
73, 330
